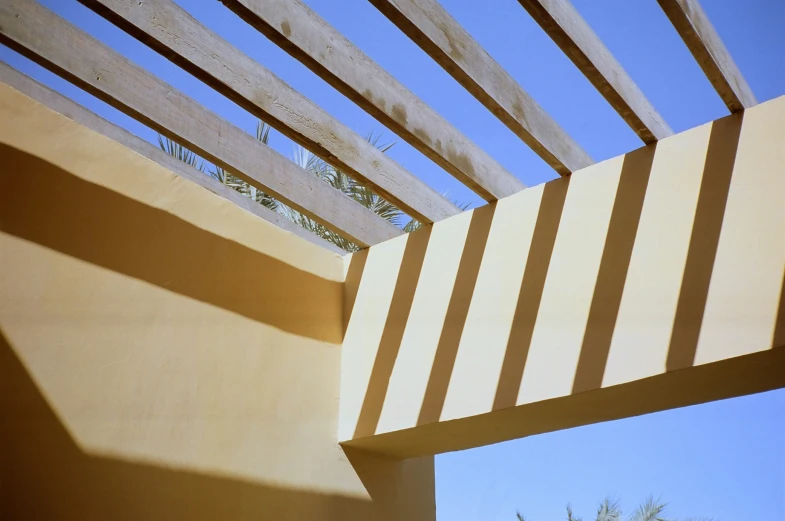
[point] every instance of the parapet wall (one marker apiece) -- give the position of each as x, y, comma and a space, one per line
164, 354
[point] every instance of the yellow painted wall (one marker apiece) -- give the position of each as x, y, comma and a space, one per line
648, 281
164, 354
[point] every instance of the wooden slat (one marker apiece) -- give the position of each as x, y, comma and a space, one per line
303, 34
171, 31
49, 40
690, 21
72, 110
442, 38
579, 42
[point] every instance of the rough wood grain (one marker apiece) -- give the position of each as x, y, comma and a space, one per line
442, 38
694, 27
307, 37
72, 110
579, 42
171, 31
49, 40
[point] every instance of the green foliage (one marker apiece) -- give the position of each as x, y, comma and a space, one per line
178, 151
650, 510
610, 510
335, 177
353, 189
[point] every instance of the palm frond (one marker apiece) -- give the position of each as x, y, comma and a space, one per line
651, 510
188, 157
412, 226
316, 228
352, 188
570, 515
519, 516
374, 140
262, 132
178, 151
609, 510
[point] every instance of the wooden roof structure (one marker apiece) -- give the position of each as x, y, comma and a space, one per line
42, 36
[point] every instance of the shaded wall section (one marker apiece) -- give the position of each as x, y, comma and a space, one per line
163, 353
650, 281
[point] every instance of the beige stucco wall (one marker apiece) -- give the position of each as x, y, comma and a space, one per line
164, 354
648, 281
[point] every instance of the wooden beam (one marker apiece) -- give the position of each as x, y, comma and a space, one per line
307, 37
690, 21
171, 31
42, 36
444, 40
73, 111
574, 36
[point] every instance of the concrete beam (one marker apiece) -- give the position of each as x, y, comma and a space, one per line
44, 37
431, 27
694, 27
646, 282
64, 106
302, 33
579, 42
171, 31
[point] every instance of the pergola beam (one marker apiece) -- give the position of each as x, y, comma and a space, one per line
171, 31
307, 37
47, 39
444, 40
694, 27
562, 22
73, 111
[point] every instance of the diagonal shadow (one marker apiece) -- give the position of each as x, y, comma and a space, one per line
706, 228
543, 239
457, 311
414, 479
45, 475
351, 284
614, 263
42, 203
778, 339
392, 334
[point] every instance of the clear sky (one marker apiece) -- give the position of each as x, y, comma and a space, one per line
724, 460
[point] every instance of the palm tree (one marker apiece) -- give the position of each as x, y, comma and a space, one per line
232, 181
610, 510
317, 166
350, 187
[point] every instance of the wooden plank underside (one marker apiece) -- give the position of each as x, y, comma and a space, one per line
442, 38
307, 37
174, 33
72, 110
39, 34
577, 40
694, 27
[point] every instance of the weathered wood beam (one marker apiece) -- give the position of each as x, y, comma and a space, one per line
307, 37
171, 31
72, 110
444, 40
42, 36
574, 36
694, 27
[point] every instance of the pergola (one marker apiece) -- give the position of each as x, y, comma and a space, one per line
650, 281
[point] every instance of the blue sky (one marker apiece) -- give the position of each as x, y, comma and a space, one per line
723, 460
